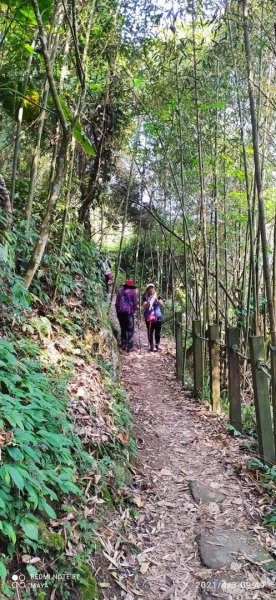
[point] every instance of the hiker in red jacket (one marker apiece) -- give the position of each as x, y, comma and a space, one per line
126, 305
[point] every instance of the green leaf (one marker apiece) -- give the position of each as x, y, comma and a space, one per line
3, 571
233, 430
30, 529
29, 49
78, 132
24, 11
24, 436
138, 82
55, 439
8, 530
15, 453
255, 463
35, 455
43, 505
20, 295
50, 493
16, 476
5, 475
32, 570
206, 106
81, 138
32, 495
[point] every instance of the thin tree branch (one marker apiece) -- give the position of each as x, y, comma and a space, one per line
49, 69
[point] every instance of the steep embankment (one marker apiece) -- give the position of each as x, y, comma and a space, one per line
65, 442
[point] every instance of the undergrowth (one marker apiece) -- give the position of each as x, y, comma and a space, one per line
266, 476
46, 528
41, 458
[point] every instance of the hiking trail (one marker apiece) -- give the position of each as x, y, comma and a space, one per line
206, 544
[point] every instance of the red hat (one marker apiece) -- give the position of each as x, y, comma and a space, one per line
129, 283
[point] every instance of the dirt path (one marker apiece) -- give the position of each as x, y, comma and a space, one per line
180, 441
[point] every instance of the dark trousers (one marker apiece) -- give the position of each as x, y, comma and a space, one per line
154, 328
127, 330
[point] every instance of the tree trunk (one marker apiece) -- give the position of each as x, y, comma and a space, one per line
258, 176
203, 214
6, 207
274, 265
18, 128
247, 186
64, 218
57, 20
51, 203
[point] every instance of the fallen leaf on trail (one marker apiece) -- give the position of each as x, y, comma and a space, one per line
189, 506
96, 500
237, 500
30, 560
110, 559
214, 485
86, 512
213, 506
122, 437
167, 472
69, 517
167, 593
125, 588
144, 568
81, 392
138, 501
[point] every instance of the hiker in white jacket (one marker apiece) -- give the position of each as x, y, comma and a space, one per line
152, 305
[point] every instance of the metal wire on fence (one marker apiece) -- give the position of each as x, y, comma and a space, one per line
262, 366
200, 337
235, 349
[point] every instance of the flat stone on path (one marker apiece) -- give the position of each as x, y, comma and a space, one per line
217, 549
203, 494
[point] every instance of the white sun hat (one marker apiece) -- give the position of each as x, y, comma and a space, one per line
150, 285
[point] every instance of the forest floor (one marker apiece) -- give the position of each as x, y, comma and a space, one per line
180, 441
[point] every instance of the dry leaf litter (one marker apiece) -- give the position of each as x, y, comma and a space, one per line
155, 555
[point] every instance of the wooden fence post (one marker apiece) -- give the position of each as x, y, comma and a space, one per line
179, 345
273, 389
214, 354
198, 358
234, 380
261, 399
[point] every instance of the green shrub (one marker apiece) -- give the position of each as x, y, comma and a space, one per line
40, 455
249, 418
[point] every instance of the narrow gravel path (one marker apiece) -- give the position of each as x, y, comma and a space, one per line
180, 441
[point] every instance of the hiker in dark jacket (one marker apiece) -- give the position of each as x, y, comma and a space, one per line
152, 305
126, 305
